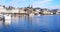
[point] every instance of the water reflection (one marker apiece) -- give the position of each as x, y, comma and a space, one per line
1, 24
50, 23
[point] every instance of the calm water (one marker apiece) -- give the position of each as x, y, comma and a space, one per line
50, 23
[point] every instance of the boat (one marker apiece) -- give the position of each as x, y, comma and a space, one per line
31, 14
38, 15
7, 19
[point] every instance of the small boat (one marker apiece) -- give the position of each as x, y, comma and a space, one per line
7, 19
38, 15
31, 14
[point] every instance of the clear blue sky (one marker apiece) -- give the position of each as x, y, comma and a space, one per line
34, 3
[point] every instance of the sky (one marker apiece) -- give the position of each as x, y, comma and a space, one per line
35, 3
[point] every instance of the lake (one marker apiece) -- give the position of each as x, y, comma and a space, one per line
43, 23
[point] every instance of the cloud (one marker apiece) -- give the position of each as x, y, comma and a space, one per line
14, 3
45, 4
53, 7
41, 3
25, 3
22, 2
17, 3
2, 1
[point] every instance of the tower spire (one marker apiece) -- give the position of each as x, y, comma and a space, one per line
30, 6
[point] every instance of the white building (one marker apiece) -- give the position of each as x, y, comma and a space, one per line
8, 10
58, 12
21, 10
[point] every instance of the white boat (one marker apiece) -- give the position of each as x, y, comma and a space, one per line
7, 19
38, 15
31, 14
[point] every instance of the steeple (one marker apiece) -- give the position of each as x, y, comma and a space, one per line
30, 6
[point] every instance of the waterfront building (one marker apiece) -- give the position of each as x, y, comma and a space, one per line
46, 11
29, 10
26, 10
3, 10
58, 12
37, 11
21, 10
8, 10
54, 11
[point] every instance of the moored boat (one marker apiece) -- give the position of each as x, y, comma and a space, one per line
7, 19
